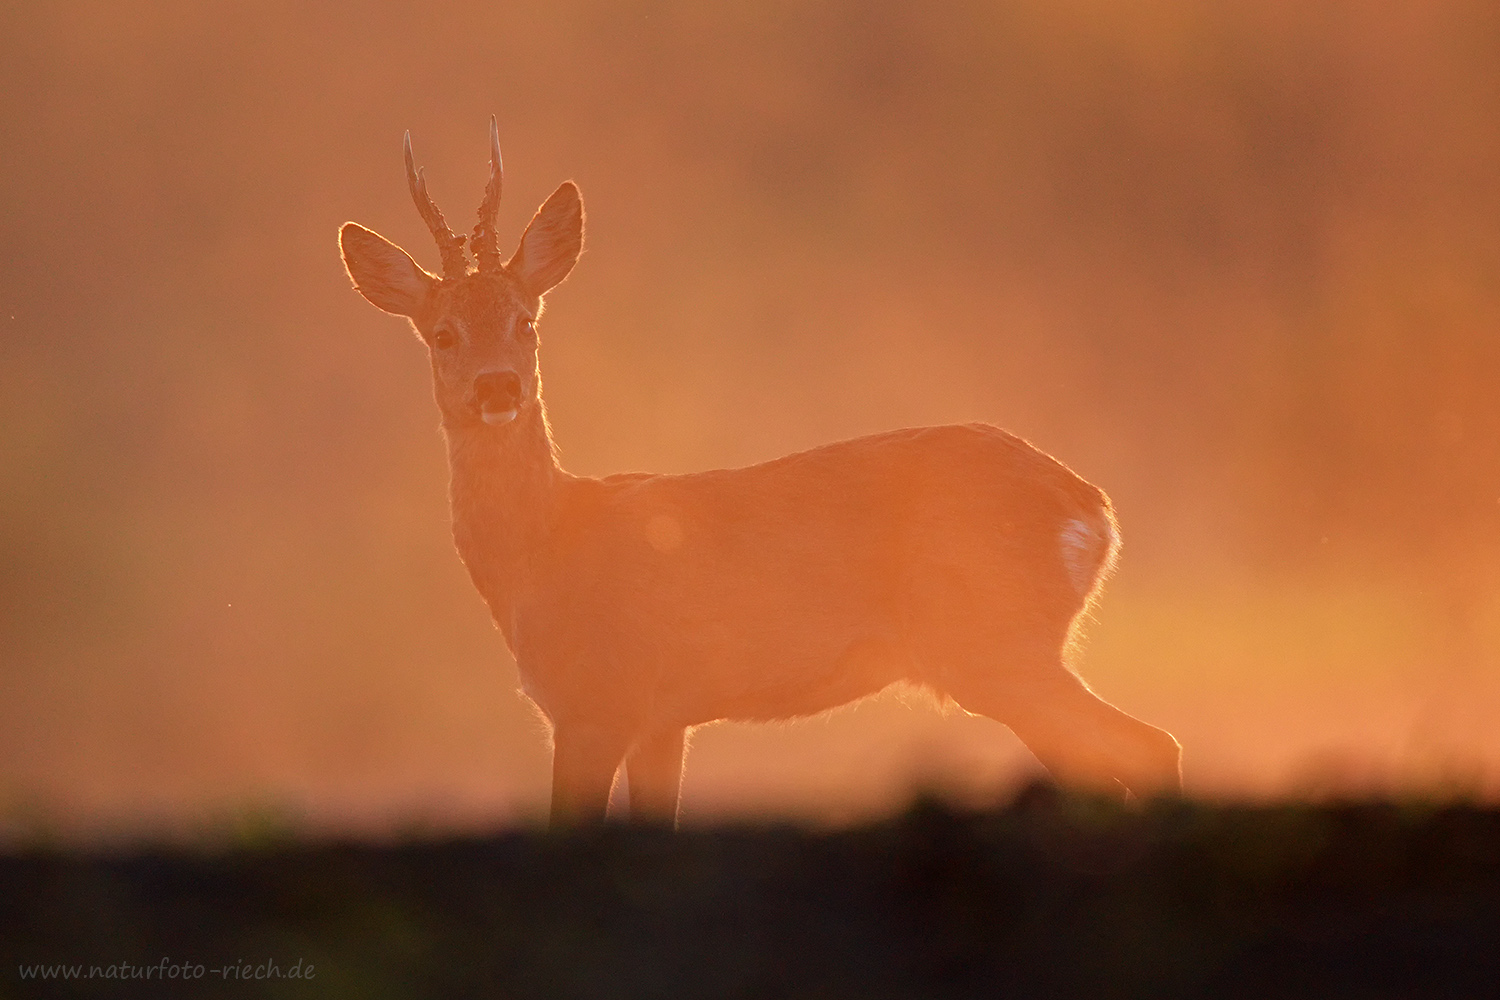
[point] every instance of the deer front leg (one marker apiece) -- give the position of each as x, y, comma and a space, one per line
585, 759
655, 771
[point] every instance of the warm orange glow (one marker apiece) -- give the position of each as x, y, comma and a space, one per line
1237, 265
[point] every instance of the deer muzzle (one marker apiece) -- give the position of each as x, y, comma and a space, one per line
497, 396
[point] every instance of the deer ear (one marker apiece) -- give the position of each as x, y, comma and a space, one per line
552, 242
382, 272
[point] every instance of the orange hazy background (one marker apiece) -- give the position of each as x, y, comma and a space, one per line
1237, 264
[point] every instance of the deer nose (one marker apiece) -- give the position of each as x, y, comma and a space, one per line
498, 396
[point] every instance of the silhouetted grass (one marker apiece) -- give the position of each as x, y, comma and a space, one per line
1051, 896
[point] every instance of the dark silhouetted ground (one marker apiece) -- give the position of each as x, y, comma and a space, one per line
1049, 897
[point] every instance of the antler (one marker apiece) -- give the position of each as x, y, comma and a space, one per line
450, 244
484, 243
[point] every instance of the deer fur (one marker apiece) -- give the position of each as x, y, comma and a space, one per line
637, 606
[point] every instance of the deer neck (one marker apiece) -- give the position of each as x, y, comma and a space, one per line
503, 494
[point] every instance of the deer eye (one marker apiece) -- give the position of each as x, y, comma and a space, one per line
442, 339
526, 328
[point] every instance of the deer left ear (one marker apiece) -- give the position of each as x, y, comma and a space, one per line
552, 242
384, 273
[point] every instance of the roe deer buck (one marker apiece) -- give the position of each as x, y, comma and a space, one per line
637, 606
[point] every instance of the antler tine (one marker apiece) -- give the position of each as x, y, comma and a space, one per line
450, 244
485, 242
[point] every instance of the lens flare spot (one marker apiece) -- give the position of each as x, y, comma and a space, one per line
664, 533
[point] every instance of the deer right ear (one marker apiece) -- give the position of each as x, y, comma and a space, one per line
384, 273
552, 241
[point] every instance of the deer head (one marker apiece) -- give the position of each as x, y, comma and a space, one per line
479, 324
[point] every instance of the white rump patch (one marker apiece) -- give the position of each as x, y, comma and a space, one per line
1080, 545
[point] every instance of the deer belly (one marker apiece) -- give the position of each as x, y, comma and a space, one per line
533, 690
761, 680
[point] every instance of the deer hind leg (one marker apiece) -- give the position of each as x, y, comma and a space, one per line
1080, 738
654, 768
585, 760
